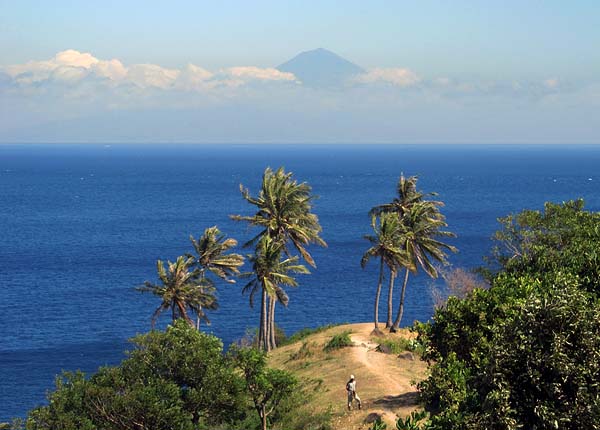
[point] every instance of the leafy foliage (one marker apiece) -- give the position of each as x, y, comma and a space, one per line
267, 387
180, 290
564, 237
523, 353
378, 424
415, 421
213, 261
397, 346
284, 212
338, 341
178, 379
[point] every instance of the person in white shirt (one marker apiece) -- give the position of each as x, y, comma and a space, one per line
351, 389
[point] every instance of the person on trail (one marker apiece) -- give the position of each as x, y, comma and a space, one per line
351, 389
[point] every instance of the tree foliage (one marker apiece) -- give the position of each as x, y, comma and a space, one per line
267, 387
214, 261
181, 290
563, 237
178, 379
523, 354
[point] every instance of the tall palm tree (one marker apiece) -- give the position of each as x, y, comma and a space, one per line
284, 213
180, 290
421, 229
386, 246
269, 274
212, 258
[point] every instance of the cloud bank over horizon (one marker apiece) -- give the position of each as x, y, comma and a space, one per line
77, 97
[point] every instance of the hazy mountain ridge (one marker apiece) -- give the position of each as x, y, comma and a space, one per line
321, 68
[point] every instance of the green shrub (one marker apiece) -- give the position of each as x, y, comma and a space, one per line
531, 362
415, 421
378, 424
399, 345
305, 332
303, 352
339, 341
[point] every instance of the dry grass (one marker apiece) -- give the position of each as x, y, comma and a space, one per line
383, 380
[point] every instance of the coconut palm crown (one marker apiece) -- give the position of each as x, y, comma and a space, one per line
284, 213
212, 255
180, 289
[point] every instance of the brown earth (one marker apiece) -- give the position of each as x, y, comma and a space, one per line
385, 382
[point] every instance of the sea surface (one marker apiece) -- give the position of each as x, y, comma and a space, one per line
82, 225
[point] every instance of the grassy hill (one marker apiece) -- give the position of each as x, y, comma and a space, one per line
384, 380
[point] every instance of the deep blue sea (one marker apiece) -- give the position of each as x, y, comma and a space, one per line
82, 225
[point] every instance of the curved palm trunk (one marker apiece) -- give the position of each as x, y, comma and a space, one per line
378, 294
272, 342
388, 323
396, 325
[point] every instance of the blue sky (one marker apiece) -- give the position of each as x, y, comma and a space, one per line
539, 58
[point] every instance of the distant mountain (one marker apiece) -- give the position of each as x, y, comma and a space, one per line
321, 68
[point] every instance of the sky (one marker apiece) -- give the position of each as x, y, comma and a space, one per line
194, 71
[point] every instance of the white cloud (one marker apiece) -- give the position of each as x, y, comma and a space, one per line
112, 69
73, 58
257, 73
72, 66
395, 76
66, 66
151, 75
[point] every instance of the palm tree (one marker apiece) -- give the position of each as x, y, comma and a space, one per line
212, 258
421, 227
269, 274
180, 290
385, 246
284, 213
407, 197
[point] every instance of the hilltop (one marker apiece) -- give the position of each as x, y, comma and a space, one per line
384, 381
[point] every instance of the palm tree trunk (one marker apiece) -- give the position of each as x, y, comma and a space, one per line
262, 331
268, 325
378, 294
396, 325
388, 323
272, 324
198, 318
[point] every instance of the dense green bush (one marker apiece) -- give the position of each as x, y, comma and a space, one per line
564, 237
338, 341
178, 379
531, 363
524, 353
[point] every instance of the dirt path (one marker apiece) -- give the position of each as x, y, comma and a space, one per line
383, 380
392, 391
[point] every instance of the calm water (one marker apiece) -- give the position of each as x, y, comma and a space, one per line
81, 225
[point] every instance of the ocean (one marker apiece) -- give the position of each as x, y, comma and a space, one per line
82, 225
